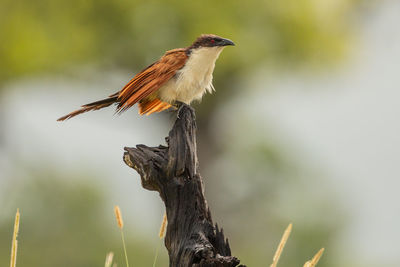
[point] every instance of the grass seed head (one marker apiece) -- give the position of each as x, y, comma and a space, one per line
281, 245
118, 216
109, 259
163, 226
14, 246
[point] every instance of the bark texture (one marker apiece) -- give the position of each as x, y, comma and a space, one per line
173, 171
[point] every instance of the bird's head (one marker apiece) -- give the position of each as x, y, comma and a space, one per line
210, 40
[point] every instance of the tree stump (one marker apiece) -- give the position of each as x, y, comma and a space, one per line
173, 171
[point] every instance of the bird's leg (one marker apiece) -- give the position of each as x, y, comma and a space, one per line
179, 105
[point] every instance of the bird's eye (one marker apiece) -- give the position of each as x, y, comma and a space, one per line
212, 41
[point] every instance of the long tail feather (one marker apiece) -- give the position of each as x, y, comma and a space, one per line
91, 106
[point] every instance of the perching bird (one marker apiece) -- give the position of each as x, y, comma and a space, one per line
180, 75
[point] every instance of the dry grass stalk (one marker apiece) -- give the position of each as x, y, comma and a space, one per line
313, 262
281, 246
118, 216
120, 223
14, 246
161, 234
109, 259
163, 226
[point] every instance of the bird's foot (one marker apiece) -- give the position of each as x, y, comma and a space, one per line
180, 106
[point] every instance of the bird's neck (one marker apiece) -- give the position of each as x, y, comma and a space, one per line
204, 57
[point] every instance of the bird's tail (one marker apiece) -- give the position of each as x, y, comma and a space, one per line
92, 106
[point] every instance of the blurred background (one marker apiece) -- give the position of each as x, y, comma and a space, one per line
303, 128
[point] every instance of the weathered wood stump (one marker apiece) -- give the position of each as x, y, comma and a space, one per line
173, 171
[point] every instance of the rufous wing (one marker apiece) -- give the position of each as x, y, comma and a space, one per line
149, 81
151, 106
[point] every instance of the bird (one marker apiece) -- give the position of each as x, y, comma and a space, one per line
181, 75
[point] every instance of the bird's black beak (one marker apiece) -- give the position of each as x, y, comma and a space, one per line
226, 42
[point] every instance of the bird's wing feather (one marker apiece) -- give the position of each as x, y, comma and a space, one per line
151, 106
151, 79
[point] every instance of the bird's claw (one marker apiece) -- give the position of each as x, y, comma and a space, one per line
179, 105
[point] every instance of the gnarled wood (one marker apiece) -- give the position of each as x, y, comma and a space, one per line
191, 238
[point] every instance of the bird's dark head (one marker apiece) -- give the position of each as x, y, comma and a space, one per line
211, 40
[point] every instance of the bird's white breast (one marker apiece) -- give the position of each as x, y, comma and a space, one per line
194, 79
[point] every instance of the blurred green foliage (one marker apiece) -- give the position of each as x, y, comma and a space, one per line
44, 35
268, 187
66, 224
